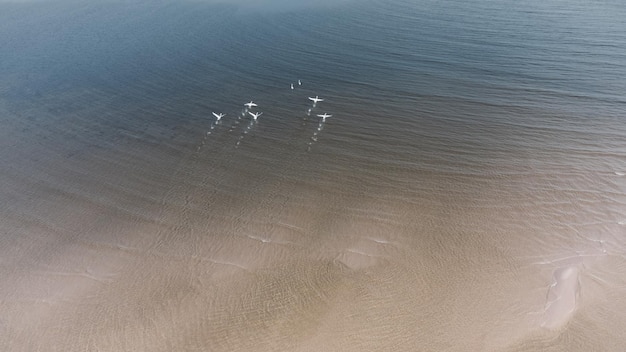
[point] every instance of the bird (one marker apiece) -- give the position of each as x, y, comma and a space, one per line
255, 115
324, 116
292, 86
250, 104
299, 82
218, 116
316, 99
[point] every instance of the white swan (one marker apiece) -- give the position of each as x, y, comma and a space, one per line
316, 99
218, 116
255, 115
324, 116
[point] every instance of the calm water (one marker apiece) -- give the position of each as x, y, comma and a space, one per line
468, 192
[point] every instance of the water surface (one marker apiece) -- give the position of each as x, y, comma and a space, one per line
468, 192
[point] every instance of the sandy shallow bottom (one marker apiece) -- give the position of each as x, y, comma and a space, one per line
468, 193
109, 253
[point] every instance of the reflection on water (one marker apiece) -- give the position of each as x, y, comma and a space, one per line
466, 194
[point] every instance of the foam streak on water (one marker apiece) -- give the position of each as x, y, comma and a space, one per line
467, 193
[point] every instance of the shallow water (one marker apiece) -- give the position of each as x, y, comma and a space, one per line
468, 192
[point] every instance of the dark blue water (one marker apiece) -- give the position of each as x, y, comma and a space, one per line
484, 141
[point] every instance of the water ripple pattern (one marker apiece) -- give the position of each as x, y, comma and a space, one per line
460, 187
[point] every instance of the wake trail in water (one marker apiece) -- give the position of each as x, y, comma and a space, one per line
246, 130
206, 135
315, 136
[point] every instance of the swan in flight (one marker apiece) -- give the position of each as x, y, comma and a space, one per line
218, 116
316, 99
324, 116
250, 104
255, 114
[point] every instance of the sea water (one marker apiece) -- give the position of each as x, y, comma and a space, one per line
467, 193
